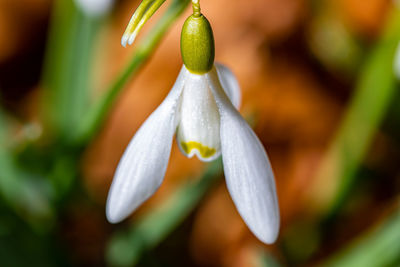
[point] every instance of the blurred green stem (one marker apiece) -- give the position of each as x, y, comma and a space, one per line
67, 65
372, 97
380, 247
91, 123
266, 259
126, 247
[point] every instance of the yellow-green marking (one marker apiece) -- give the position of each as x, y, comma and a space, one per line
205, 151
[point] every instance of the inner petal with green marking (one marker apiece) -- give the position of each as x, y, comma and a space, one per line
198, 129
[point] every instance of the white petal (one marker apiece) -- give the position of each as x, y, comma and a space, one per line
198, 130
229, 84
143, 165
248, 172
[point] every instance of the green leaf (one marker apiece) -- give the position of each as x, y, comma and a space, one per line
380, 247
373, 95
66, 72
26, 197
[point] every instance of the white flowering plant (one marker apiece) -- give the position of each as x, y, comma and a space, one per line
45, 201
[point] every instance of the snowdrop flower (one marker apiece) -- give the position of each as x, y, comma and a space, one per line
201, 109
94, 8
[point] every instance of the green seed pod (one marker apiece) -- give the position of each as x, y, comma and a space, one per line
197, 44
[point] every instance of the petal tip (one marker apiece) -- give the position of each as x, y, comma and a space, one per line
114, 215
267, 233
116, 206
124, 40
112, 219
131, 39
269, 237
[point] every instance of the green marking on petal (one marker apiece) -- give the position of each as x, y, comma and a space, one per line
205, 151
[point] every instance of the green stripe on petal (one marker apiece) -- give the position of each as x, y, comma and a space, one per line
205, 151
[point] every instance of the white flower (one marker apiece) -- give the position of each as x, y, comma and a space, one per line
202, 110
95, 8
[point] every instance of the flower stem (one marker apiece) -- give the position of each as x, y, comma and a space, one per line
196, 8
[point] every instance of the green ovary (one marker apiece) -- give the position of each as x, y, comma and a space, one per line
205, 151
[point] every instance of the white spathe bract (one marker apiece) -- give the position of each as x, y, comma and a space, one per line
202, 109
95, 8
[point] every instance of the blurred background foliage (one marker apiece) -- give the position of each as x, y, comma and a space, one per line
318, 87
